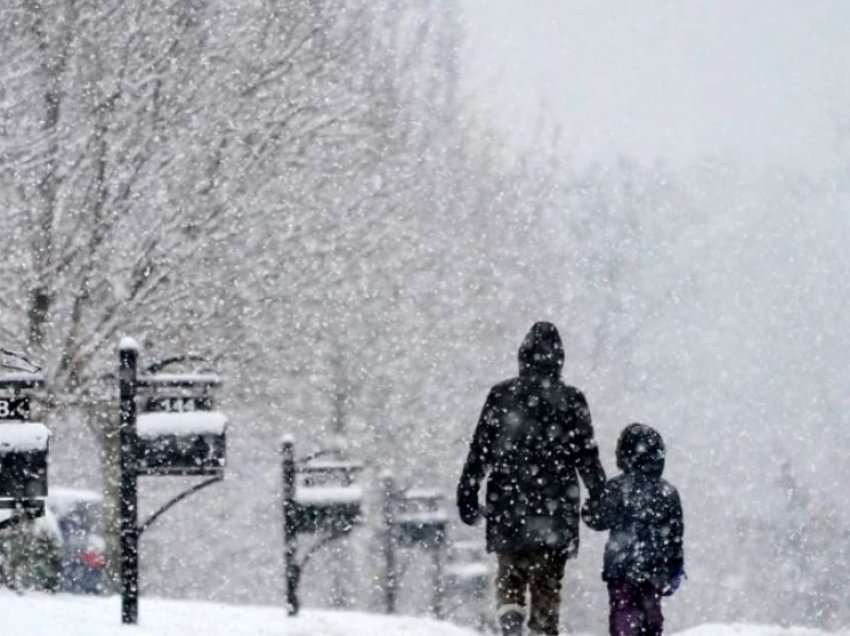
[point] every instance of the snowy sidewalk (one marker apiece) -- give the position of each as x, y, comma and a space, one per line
66, 615
755, 630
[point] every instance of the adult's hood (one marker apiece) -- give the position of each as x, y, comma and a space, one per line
640, 449
542, 352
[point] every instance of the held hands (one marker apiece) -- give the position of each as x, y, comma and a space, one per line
590, 509
675, 582
595, 512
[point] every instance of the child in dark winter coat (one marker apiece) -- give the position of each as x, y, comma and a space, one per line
644, 557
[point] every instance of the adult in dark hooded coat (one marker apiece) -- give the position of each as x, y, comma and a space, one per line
533, 436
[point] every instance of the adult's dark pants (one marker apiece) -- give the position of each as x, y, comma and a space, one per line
634, 609
539, 573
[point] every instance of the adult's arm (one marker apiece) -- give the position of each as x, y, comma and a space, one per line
477, 462
587, 452
601, 512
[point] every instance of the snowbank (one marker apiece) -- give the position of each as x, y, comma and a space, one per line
755, 630
64, 615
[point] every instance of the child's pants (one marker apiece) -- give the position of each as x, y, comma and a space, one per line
635, 609
538, 572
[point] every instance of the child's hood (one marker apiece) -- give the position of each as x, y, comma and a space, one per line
640, 449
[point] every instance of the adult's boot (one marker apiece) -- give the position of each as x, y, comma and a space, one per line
511, 622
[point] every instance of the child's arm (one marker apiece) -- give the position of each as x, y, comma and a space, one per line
677, 534
600, 512
675, 543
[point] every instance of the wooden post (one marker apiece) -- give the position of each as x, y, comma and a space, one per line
128, 356
389, 547
290, 530
438, 552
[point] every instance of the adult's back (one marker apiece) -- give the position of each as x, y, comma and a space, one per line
533, 436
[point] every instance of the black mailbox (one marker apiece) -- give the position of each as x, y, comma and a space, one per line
327, 496
23, 463
23, 444
421, 518
467, 568
468, 576
187, 443
178, 432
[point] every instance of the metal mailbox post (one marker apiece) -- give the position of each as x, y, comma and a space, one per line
320, 497
177, 433
414, 519
468, 575
24, 448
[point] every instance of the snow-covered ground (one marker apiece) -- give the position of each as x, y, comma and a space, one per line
755, 630
64, 615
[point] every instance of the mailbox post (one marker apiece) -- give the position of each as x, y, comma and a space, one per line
290, 527
389, 547
320, 497
415, 519
177, 433
468, 575
128, 357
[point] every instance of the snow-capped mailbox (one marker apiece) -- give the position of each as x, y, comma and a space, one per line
23, 463
178, 432
23, 444
327, 496
467, 567
421, 518
467, 579
187, 443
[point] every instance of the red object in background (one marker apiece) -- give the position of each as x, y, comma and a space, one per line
93, 559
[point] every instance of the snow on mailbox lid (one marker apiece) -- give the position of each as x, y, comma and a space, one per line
23, 437
181, 424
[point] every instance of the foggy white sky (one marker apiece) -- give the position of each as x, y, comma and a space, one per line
764, 82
